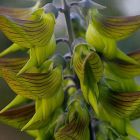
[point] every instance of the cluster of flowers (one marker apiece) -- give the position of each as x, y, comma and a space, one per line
58, 98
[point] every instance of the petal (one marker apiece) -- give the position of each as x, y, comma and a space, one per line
34, 85
115, 27
17, 117
77, 125
89, 68
18, 12
12, 63
85, 60
113, 78
34, 31
122, 105
17, 101
44, 111
125, 70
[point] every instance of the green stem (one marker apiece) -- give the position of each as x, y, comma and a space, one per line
66, 12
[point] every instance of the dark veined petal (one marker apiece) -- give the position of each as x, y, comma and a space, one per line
12, 63
115, 27
77, 124
34, 85
85, 60
89, 68
122, 104
135, 55
124, 69
113, 78
34, 31
18, 12
18, 117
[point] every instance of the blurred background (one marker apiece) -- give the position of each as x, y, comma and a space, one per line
114, 7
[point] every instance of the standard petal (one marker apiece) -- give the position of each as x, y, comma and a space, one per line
34, 85
89, 68
21, 13
18, 117
115, 27
35, 31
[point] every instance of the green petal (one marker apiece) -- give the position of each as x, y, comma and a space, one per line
122, 104
17, 101
125, 70
113, 78
13, 48
19, 12
77, 124
117, 107
35, 31
17, 117
12, 63
85, 60
115, 27
89, 68
104, 39
38, 55
44, 111
135, 55
34, 85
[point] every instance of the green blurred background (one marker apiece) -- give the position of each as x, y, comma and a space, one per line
114, 7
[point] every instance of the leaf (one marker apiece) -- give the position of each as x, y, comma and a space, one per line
115, 27
34, 85
17, 117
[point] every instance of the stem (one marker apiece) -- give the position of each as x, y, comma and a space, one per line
92, 130
66, 12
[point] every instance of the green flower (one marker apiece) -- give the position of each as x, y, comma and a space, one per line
33, 30
103, 33
76, 123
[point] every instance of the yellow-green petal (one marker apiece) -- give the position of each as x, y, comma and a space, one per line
44, 110
115, 27
34, 85
17, 117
